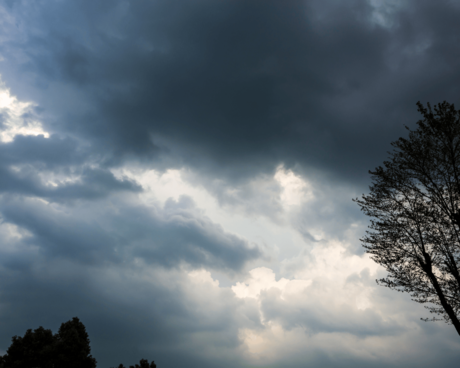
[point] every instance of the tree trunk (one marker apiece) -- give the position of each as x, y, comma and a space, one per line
434, 281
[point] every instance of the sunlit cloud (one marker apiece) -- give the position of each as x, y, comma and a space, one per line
263, 278
17, 117
296, 191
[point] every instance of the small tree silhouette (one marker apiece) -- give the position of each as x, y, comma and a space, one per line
144, 363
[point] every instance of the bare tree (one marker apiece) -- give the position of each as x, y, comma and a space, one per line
414, 205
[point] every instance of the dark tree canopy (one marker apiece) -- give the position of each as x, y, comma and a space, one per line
69, 348
414, 203
72, 346
35, 349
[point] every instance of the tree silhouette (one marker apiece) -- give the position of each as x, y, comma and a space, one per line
35, 349
414, 202
144, 363
69, 348
72, 346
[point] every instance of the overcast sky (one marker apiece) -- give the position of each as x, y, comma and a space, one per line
179, 174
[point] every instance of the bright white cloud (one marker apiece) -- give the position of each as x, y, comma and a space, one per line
203, 277
263, 278
296, 191
17, 117
330, 282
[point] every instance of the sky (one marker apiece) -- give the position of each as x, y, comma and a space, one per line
179, 175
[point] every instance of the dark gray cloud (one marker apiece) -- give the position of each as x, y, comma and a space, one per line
239, 86
30, 162
91, 232
127, 318
46, 153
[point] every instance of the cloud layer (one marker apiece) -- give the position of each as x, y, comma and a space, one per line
179, 175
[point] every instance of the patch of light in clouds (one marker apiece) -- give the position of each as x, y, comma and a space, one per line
11, 235
331, 282
263, 278
293, 283
383, 10
203, 277
296, 190
17, 117
159, 187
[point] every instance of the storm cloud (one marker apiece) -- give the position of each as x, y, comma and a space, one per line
179, 175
